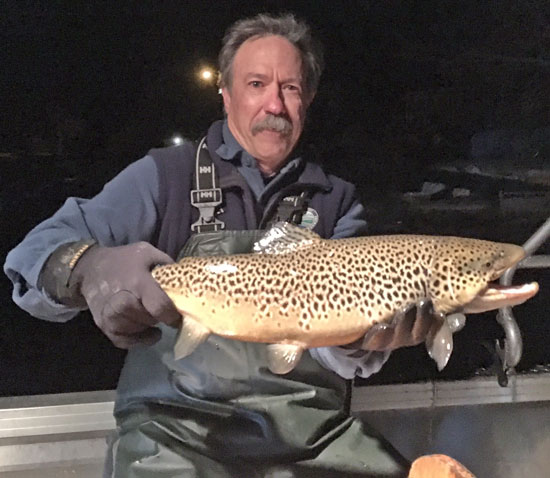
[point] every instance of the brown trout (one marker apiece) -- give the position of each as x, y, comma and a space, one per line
298, 291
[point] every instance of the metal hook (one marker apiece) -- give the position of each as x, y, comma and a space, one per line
497, 366
510, 354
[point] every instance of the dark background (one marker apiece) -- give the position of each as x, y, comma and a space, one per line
413, 91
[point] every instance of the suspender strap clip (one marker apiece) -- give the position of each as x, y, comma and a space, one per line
292, 208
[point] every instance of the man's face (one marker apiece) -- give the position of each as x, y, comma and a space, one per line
267, 102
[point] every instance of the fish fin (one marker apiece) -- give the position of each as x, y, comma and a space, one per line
192, 333
284, 237
282, 358
440, 345
456, 321
412, 317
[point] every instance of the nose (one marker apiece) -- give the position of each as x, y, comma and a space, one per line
274, 102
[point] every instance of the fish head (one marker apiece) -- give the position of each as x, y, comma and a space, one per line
462, 269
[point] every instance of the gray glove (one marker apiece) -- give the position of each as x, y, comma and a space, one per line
124, 299
410, 327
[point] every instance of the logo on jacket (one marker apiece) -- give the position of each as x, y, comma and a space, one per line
310, 218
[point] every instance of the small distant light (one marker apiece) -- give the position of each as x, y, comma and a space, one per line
177, 140
207, 75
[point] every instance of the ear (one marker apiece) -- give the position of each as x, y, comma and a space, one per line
226, 99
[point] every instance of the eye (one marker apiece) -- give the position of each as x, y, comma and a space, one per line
255, 83
293, 88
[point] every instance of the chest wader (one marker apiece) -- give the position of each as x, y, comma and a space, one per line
235, 419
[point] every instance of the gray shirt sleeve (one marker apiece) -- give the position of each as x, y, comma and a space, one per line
353, 223
125, 211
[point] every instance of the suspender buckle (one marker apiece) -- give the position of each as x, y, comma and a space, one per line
203, 226
206, 201
206, 197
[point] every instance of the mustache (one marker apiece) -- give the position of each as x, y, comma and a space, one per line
280, 124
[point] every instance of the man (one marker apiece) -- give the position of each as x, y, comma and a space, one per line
218, 412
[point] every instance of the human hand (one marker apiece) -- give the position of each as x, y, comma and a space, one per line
124, 299
411, 327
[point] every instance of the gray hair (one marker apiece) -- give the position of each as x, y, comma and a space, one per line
296, 32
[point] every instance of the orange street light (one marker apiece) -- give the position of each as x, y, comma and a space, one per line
207, 75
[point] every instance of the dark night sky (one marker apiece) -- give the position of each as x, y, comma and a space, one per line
408, 84
124, 72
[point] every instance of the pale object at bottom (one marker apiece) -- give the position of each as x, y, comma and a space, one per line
438, 466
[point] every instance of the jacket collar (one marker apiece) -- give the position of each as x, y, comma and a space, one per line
225, 150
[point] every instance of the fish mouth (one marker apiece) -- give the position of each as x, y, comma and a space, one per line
496, 296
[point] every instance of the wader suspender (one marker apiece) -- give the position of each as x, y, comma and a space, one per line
207, 196
292, 208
